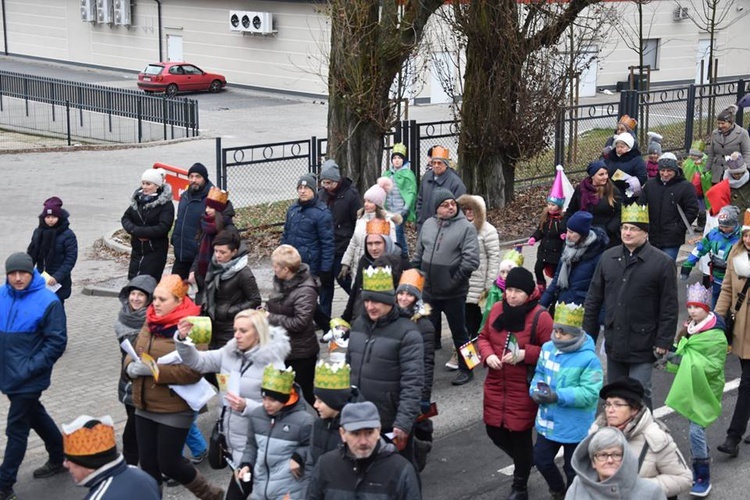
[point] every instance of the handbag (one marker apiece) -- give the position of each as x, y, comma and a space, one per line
732, 313
217, 444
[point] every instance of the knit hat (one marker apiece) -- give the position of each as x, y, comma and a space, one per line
90, 442
735, 163
175, 285
522, 279
332, 384
377, 285
668, 161
626, 388
729, 216
277, 384
654, 147
631, 123
19, 261
568, 318
580, 222
330, 171
309, 181
357, 416
626, 139
595, 166
728, 114
636, 215
412, 281
441, 195
154, 176
52, 206
695, 152
400, 150
699, 296
217, 199
200, 169
377, 193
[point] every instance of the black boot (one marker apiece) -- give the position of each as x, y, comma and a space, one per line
731, 446
519, 489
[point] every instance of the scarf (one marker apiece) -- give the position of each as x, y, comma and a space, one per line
44, 244
143, 199
129, 321
218, 272
165, 326
589, 196
707, 323
513, 319
500, 282
570, 345
737, 183
572, 253
205, 248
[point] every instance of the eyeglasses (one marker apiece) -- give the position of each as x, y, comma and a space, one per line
604, 457
606, 406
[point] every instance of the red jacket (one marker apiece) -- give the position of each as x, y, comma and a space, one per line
506, 391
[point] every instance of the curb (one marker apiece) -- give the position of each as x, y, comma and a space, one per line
112, 244
109, 242
100, 291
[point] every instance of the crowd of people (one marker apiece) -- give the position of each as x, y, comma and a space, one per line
295, 425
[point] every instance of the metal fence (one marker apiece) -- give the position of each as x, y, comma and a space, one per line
68, 112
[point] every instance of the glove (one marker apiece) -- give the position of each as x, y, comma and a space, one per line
634, 184
543, 398
684, 273
343, 273
138, 369
326, 278
673, 358
424, 407
531, 241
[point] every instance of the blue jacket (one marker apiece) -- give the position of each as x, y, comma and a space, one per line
189, 212
120, 481
64, 258
576, 377
309, 229
33, 336
717, 245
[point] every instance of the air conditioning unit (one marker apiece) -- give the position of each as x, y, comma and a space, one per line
680, 13
104, 11
123, 13
235, 20
260, 22
88, 11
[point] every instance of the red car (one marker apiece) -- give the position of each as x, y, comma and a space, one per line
173, 77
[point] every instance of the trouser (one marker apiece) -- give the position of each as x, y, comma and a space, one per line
195, 440
26, 413
639, 371
544, 459
539, 266
346, 283
473, 319
238, 491
401, 240
129, 437
698, 443
304, 375
455, 311
182, 267
715, 292
738, 425
670, 251
160, 451
519, 447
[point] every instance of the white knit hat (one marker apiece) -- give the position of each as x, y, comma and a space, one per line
154, 176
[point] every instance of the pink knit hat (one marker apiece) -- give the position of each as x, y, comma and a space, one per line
376, 194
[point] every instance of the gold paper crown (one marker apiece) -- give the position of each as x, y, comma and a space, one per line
332, 376
440, 153
218, 195
514, 256
634, 213
399, 148
84, 441
277, 380
746, 220
377, 279
413, 278
569, 314
378, 226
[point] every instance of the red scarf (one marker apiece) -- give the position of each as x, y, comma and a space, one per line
165, 326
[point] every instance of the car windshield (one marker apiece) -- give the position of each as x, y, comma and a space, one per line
153, 69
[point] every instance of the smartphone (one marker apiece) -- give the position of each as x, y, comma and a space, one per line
543, 388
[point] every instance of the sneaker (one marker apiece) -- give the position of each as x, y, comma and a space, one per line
452, 364
48, 470
701, 488
200, 458
462, 378
8, 495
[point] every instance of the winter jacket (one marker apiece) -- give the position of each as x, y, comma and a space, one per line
483, 277
450, 180
325, 437
630, 163
506, 392
580, 274
384, 475
550, 243
272, 441
387, 360
309, 229
737, 272
723, 194
190, 209
717, 245
420, 314
354, 304
625, 484
119, 481
343, 204
356, 245
639, 297
663, 463
666, 228
576, 377
291, 306
720, 146
652, 169
447, 252
64, 257
406, 185
606, 217
33, 335
698, 174
148, 225
249, 365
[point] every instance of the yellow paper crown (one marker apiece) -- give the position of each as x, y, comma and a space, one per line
399, 148
569, 314
413, 278
378, 226
86, 441
514, 256
377, 279
277, 380
332, 376
634, 213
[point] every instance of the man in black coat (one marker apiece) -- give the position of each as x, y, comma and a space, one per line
636, 284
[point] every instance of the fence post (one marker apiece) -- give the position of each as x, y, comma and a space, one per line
26, 94
740, 95
415, 149
221, 178
312, 159
398, 133
560, 137
164, 114
689, 117
67, 117
139, 116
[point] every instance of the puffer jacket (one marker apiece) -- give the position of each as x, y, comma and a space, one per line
64, 256
450, 180
717, 245
291, 306
309, 229
447, 253
148, 225
420, 314
606, 216
666, 228
189, 211
356, 247
249, 365
550, 243
663, 464
482, 278
273, 440
325, 437
630, 163
343, 204
737, 140
387, 360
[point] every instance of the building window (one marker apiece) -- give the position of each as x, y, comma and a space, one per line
651, 53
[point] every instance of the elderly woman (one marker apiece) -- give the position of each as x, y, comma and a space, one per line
726, 139
632, 175
659, 459
162, 417
606, 468
509, 345
254, 346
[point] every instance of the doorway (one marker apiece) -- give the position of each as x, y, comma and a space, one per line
174, 48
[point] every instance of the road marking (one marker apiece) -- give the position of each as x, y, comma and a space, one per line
659, 413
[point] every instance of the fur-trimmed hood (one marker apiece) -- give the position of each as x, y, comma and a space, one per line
278, 347
477, 204
164, 197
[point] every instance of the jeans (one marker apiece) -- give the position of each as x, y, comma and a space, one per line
671, 252
195, 440
738, 426
401, 240
160, 451
26, 413
544, 459
715, 292
698, 445
639, 371
455, 311
519, 447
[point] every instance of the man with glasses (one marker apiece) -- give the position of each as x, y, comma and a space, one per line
440, 176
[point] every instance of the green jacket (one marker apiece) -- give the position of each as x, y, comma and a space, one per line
699, 381
407, 188
689, 168
494, 295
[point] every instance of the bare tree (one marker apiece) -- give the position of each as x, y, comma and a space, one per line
712, 16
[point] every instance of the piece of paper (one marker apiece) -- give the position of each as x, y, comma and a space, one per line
173, 358
126, 346
195, 395
233, 385
149, 361
51, 288
469, 353
223, 380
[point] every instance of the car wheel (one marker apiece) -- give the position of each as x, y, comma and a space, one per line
215, 86
171, 90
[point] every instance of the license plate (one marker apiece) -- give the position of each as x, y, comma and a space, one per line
146, 78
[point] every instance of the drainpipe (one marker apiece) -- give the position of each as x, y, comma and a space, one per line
158, 16
5, 31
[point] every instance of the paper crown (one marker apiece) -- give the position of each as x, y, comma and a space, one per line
700, 296
80, 439
175, 284
377, 279
399, 149
378, 226
631, 123
338, 322
277, 380
412, 277
217, 198
634, 214
514, 256
334, 376
440, 153
746, 220
569, 314
556, 194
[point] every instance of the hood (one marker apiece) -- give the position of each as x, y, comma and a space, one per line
598, 245
390, 247
143, 282
37, 283
276, 350
477, 204
164, 197
624, 478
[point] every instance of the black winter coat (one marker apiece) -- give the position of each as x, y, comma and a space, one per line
189, 212
606, 217
148, 225
343, 205
639, 296
631, 163
291, 306
666, 228
325, 437
550, 243
64, 257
